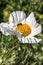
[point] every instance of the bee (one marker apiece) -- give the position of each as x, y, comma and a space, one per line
19, 24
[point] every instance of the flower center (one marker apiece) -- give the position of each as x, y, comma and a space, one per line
24, 29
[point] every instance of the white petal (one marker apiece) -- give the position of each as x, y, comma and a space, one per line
35, 30
21, 39
5, 29
35, 27
35, 40
11, 21
20, 15
23, 21
31, 20
16, 17
28, 40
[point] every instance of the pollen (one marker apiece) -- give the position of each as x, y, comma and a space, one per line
24, 29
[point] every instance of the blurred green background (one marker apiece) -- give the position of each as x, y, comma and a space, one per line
11, 51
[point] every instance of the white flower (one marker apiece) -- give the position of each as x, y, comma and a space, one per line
24, 28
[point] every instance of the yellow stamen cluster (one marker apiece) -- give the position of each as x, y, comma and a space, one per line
24, 29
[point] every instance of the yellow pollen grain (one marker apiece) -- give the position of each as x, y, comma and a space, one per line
24, 29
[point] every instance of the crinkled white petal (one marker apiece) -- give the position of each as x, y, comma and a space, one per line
35, 27
28, 40
5, 29
31, 20
16, 17
23, 21
35, 30
36, 40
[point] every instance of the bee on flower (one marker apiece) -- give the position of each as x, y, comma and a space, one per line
24, 28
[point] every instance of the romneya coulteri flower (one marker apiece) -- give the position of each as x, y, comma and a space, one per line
24, 28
